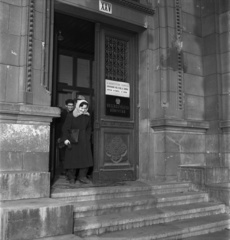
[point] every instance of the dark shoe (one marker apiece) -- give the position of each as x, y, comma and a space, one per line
84, 180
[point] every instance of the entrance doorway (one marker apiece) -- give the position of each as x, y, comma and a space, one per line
90, 59
73, 72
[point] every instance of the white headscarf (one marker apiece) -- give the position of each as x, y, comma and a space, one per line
77, 112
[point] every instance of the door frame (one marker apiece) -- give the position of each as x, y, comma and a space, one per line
97, 151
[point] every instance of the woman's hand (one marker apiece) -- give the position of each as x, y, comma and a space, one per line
67, 142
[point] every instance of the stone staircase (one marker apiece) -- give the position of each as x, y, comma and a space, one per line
140, 210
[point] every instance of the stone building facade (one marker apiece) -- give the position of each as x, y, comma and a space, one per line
173, 56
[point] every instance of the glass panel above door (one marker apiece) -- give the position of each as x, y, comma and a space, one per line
65, 69
83, 73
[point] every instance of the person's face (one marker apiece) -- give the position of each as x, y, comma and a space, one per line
69, 107
83, 108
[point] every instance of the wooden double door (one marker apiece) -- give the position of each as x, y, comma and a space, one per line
109, 83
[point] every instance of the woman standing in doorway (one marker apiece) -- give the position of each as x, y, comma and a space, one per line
78, 154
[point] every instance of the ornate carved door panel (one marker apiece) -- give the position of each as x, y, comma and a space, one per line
115, 128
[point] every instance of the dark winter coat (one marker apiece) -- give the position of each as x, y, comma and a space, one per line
79, 155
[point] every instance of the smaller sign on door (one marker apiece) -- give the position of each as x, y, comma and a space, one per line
117, 97
105, 7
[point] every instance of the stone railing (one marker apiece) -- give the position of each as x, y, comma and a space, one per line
201, 176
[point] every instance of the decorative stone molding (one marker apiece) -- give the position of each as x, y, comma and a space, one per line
17, 113
179, 125
30, 46
225, 125
178, 44
137, 6
117, 124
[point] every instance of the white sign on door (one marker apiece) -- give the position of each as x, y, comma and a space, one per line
105, 7
116, 88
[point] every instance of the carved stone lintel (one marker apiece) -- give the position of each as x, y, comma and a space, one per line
137, 6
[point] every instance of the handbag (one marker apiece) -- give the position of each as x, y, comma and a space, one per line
74, 134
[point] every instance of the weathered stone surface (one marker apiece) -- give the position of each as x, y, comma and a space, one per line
212, 143
23, 185
226, 160
225, 80
167, 17
192, 158
10, 45
225, 143
156, 109
191, 7
217, 175
223, 6
209, 44
12, 84
143, 165
11, 161
24, 138
192, 24
159, 167
4, 12
14, 23
185, 142
3, 77
211, 108
208, 25
207, 7
225, 106
196, 47
195, 107
31, 219
224, 22
210, 85
224, 42
193, 84
220, 192
36, 161
210, 65
38, 26
194, 64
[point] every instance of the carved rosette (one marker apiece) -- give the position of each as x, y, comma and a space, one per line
116, 149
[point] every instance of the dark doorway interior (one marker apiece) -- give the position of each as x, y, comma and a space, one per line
73, 71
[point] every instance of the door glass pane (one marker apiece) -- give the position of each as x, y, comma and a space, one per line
62, 97
116, 59
65, 69
83, 72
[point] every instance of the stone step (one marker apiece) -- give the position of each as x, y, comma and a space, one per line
107, 206
87, 226
220, 235
181, 229
35, 218
63, 237
98, 193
